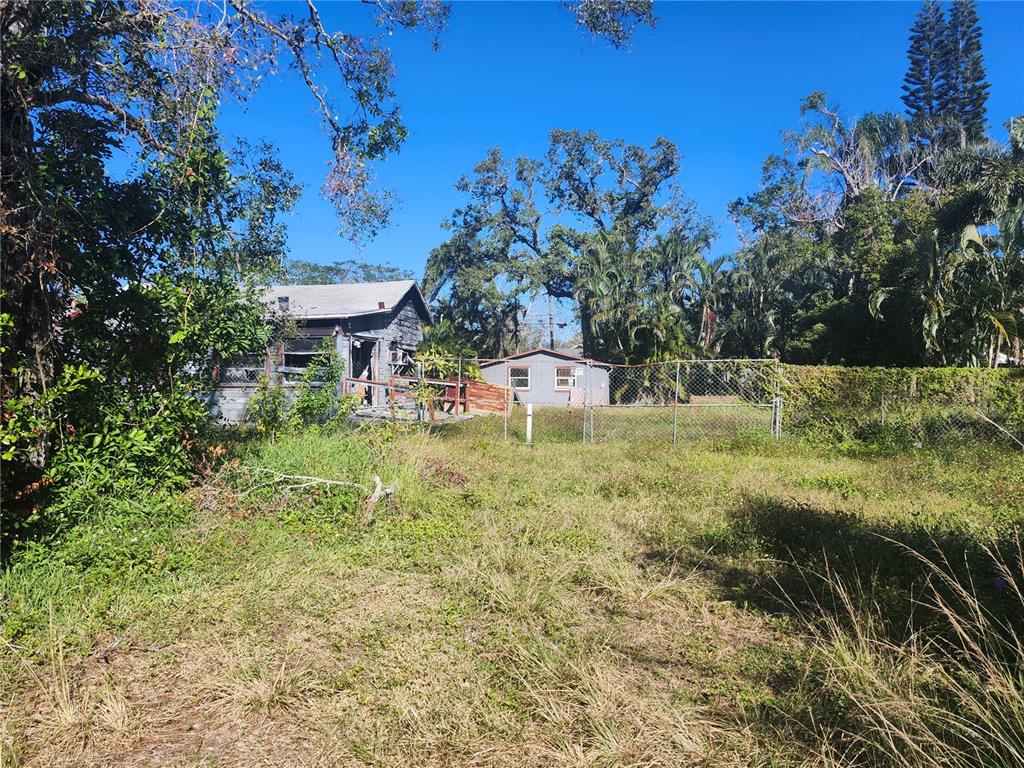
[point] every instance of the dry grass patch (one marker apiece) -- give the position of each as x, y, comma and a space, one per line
508, 606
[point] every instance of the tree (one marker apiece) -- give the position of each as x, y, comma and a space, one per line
83, 81
966, 90
612, 20
610, 203
841, 159
923, 85
145, 279
166, 257
298, 272
635, 297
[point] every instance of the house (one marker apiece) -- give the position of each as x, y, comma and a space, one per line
550, 377
374, 327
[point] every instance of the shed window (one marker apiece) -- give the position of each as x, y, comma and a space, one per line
565, 378
519, 378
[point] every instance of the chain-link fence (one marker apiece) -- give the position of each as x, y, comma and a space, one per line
546, 396
686, 400
550, 396
555, 396
912, 407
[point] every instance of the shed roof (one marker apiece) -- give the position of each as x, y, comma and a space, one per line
346, 299
559, 353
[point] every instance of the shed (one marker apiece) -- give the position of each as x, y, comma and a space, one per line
550, 377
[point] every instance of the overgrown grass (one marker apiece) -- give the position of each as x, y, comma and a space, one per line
949, 694
728, 602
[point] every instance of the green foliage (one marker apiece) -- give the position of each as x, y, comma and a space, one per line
622, 244
966, 90
311, 402
854, 261
925, 77
147, 279
28, 420
900, 408
267, 408
612, 20
317, 399
438, 362
298, 272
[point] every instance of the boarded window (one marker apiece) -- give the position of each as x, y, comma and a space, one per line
565, 378
519, 378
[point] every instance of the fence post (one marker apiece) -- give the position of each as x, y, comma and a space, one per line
589, 418
529, 423
586, 398
883, 411
675, 407
420, 389
458, 388
777, 418
508, 399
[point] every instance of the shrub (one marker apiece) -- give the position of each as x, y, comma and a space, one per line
315, 402
267, 408
900, 408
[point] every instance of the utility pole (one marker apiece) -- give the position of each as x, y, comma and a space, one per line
551, 325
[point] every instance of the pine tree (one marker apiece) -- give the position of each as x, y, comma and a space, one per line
965, 91
923, 84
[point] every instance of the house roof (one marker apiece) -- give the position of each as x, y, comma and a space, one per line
339, 300
559, 353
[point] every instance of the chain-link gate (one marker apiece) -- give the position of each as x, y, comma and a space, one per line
683, 400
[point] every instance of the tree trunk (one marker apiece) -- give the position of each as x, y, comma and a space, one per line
586, 332
29, 273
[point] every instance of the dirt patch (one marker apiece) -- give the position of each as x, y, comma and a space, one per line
444, 472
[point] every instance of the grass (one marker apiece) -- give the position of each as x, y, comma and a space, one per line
718, 603
646, 423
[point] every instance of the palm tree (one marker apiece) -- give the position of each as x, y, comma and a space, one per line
632, 297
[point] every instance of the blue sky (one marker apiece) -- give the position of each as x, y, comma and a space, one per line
721, 80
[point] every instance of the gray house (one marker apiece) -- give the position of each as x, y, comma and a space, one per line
550, 377
375, 328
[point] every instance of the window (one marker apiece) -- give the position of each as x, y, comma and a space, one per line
565, 378
519, 378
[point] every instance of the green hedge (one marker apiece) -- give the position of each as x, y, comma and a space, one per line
913, 403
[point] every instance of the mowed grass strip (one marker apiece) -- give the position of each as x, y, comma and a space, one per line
557, 604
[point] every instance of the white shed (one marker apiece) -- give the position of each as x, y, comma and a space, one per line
550, 377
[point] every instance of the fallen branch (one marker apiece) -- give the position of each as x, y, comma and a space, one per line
371, 503
1000, 427
306, 481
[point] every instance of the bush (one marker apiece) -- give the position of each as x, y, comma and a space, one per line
112, 444
901, 408
267, 408
315, 402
